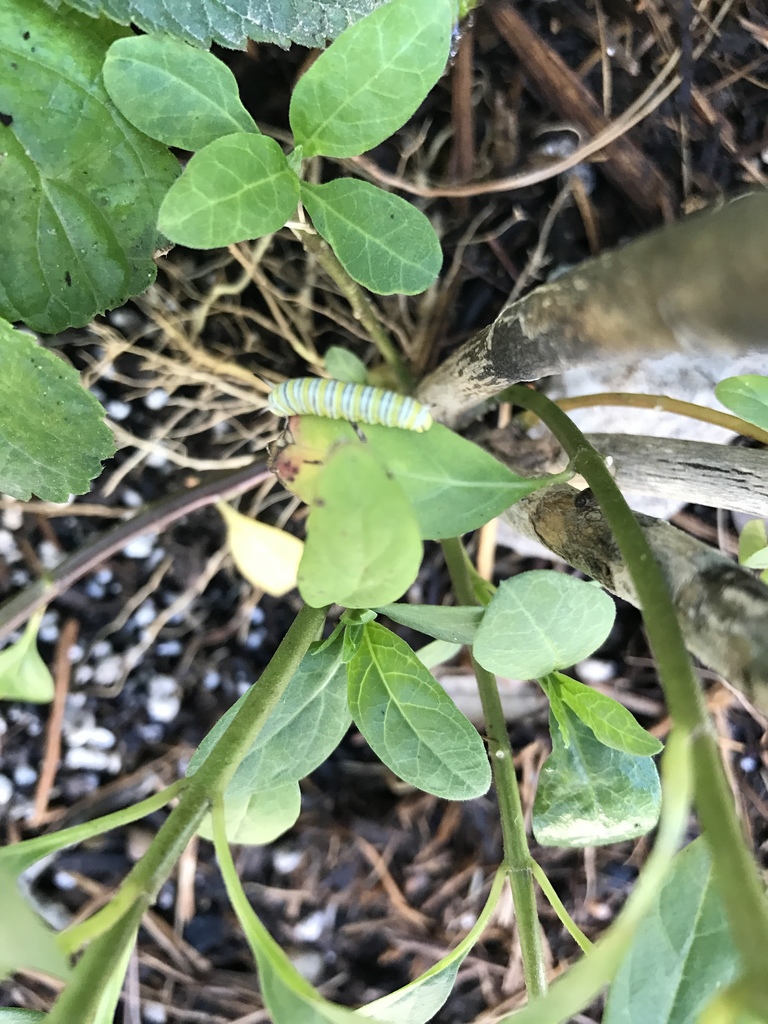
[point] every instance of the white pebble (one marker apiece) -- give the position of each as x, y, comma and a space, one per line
76, 653
101, 649
211, 679
257, 616
168, 648
313, 926
156, 557
131, 498
285, 862
83, 674
164, 700
3, 727
64, 881
97, 737
155, 1013
748, 763
49, 633
151, 732
94, 590
309, 963
140, 547
109, 670
103, 576
156, 460
156, 399
24, 775
93, 760
13, 517
20, 577
118, 410
50, 554
596, 670
145, 614
9, 551
6, 790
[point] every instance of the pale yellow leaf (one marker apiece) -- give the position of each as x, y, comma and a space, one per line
267, 557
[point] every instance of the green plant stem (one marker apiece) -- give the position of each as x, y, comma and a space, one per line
558, 906
210, 780
26, 853
516, 852
735, 870
360, 304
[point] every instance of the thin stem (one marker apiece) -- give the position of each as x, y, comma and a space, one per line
516, 853
210, 780
558, 906
675, 405
361, 305
737, 876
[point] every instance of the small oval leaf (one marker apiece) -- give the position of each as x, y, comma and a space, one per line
541, 621
747, 396
23, 673
410, 722
456, 625
383, 242
369, 82
255, 819
175, 93
266, 556
235, 188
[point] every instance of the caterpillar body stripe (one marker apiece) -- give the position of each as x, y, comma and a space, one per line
340, 400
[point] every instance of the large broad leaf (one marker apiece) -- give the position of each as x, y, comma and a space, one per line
363, 546
410, 722
26, 943
453, 485
174, 92
590, 794
80, 187
383, 242
370, 81
9, 1016
541, 621
237, 187
263, 799
233, 22
682, 952
747, 396
52, 431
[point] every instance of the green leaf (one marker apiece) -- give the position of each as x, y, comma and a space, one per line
342, 364
258, 818
23, 673
11, 1016
363, 547
437, 653
457, 625
372, 79
419, 1001
308, 723
26, 943
411, 723
79, 186
235, 188
175, 93
383, 242
590, 794
541, 621
753, 545
306, 22
682, 952
747, 396
453, 485
610, 721
52, 431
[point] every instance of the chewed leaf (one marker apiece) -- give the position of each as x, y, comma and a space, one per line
410, 721
175, 93
363, 546
23, 673
590, 794
341, 364
235, 188
541, 621
26, 942
268, 557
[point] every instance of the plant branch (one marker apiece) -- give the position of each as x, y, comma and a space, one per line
361, 305
516, 853
736, 874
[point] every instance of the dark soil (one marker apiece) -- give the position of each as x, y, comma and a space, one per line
375, 882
